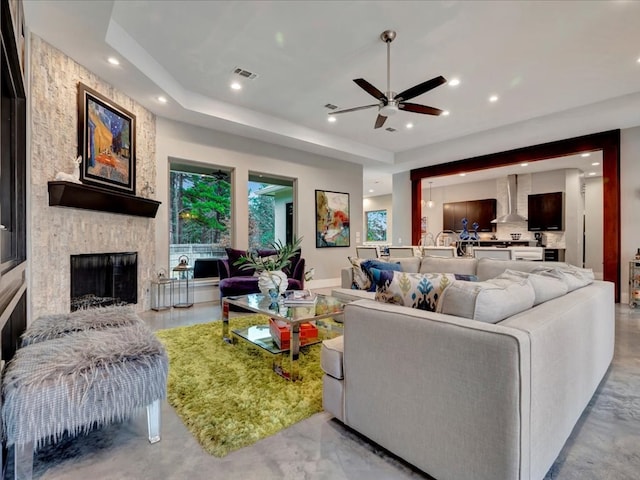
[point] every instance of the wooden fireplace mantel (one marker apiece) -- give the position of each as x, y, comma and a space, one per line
88, 197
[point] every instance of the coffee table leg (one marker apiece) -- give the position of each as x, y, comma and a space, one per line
225, 322
294, 352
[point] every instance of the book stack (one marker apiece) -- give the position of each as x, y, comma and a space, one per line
299, 297
281, 333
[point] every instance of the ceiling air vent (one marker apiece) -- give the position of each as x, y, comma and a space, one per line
390, 129
245, 73
330, 106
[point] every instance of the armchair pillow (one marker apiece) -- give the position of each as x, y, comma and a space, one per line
234, 270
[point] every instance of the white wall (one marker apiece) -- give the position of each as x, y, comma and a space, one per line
401, 225
186, 142
573, 217
281, 200
593, 226
630, 195
381, 202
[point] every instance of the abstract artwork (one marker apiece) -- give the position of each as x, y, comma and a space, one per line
376, 225
332, 219
106, 142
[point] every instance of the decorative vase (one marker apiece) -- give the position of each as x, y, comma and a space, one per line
272, 281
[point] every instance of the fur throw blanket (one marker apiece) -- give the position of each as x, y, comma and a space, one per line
57, 325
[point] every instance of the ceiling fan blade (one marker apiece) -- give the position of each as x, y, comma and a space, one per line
380, 121
354, 109
371, 90
414, 107
421, 88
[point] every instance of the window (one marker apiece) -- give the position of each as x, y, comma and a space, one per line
376, 226
270, 210
199, 216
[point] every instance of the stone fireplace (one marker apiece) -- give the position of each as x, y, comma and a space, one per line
57, 233
103, 279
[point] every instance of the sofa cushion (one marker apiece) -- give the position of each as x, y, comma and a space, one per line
492, 267
331, 357
572, 277
545, 287
408, 264
460, 265
415, 290
490, 301
235, 270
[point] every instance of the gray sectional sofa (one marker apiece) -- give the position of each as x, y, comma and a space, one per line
463, 399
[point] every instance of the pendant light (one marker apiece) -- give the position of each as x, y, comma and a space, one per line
430, 203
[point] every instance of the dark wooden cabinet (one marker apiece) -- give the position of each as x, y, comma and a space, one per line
480, 211
546, 212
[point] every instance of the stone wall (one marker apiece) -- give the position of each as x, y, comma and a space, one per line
57, 232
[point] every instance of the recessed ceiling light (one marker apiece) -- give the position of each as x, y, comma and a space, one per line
236, 86
524, 164
595, 164
585, 155
162, 99
409, 125
462, 174
446, 113
493, 98
638, 59
371, 190
454, 82
591, 174
331, 119
113, 61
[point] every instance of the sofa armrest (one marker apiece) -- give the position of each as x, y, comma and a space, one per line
448, 395
223, 268
346, 277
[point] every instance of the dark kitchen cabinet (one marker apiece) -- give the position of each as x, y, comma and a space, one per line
546, 212
480, 211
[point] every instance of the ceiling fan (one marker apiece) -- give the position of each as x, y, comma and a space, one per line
389, 103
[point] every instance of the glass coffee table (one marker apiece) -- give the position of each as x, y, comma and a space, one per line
322, 314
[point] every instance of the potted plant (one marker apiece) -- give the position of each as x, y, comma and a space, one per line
271, 279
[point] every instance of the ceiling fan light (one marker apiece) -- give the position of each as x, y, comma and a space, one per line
388, 110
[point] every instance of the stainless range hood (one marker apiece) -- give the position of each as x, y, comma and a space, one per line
512, 198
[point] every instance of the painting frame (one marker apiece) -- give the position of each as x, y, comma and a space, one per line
332, 219
108, 150
370, 220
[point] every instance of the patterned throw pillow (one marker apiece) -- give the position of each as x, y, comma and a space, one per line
415, 290
360, 279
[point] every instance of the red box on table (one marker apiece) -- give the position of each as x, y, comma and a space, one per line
281, 332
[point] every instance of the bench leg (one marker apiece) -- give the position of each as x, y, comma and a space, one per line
23, 461
153, 421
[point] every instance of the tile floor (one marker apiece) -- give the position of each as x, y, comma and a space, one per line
604, 445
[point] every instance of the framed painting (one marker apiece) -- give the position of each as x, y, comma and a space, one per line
376, 225
106, 142
332, 219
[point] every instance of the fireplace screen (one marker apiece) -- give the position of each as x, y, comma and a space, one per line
103, 279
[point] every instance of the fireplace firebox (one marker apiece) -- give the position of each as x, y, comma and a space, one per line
104, 279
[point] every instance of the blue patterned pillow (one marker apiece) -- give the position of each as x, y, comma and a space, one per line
368, 265
415, 290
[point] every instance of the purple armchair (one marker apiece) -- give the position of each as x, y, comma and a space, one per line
234, 281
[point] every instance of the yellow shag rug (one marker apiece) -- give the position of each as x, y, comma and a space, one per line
228, 395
